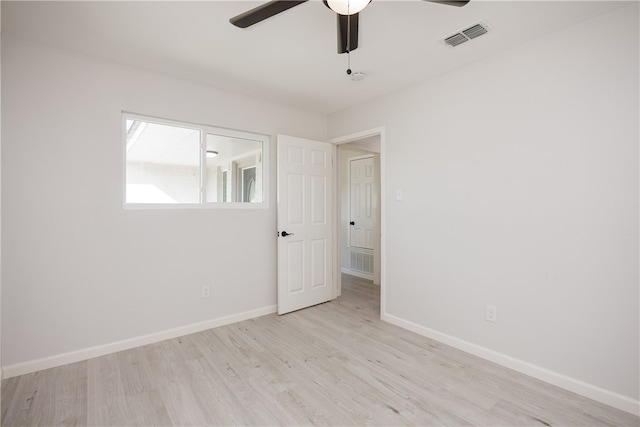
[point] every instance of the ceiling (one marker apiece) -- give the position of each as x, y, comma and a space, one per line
290, 58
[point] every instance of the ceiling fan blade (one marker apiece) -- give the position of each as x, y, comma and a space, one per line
263, 12
343, 26
458, 3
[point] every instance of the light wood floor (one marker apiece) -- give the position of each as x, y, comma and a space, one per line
332, 364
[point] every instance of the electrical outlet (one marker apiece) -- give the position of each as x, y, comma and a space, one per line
491, 313
205, 291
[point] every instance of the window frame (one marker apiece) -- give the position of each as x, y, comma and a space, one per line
204, 130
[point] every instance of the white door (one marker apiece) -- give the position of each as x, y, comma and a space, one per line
305, 228
362, 203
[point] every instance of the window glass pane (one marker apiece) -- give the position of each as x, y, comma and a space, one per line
162, 163
234, 169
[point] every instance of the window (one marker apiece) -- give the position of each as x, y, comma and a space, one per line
169, 163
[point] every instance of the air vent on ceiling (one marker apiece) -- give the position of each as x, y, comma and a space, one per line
467, 34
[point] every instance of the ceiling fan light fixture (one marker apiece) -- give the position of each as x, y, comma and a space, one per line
347, 7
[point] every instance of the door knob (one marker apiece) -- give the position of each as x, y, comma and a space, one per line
285, 234
352, 223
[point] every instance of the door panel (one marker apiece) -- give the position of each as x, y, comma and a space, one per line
319, 263
305, 262
362, 212
318, 200
295, 197
295, 257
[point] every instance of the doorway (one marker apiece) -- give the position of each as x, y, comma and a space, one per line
294, 281
360, 213
359, 255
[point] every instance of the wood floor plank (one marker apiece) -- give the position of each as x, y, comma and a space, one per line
331, 364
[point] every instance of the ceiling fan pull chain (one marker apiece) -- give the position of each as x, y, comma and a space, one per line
348, 40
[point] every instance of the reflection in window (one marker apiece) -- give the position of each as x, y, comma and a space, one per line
226, 179
162, 163
176, 163
225, 197
146, 193
249, 184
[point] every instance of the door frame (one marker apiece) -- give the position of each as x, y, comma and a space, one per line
378, 131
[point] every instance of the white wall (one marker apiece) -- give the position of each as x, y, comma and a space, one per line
79, 270
520, 181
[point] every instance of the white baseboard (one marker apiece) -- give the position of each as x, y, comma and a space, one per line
101, 350
601, 395
357, 273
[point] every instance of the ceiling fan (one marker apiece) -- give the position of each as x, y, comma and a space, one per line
346, 10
